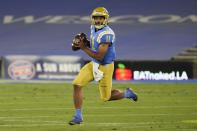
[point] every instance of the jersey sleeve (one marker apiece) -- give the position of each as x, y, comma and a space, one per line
107, 37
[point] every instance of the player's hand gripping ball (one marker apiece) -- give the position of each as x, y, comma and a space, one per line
77, 39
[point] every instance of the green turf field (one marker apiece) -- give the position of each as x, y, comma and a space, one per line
48, 107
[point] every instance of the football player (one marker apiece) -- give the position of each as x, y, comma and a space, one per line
102, 53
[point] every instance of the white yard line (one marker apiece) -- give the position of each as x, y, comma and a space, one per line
29, 117
91, 115
30, 125
29, 103
131, 107
131, 124
33, 121
36, 97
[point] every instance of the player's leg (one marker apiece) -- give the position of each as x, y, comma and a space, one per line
85, 75
118, 94
77, 96
105, 86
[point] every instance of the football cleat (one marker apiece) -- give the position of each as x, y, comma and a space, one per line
76, 120
131, 94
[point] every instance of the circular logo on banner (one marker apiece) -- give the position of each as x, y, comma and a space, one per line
21, 70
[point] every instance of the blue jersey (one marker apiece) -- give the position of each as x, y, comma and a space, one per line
107, 36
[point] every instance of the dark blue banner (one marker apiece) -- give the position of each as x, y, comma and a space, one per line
21, 67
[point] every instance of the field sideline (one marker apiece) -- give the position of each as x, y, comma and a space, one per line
48, 107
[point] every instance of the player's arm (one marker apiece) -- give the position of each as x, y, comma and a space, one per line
102, 50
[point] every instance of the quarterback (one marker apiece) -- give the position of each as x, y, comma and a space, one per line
101, 49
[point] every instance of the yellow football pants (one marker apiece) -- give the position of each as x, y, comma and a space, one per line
105, 84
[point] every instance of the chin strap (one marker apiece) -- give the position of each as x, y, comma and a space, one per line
99, 27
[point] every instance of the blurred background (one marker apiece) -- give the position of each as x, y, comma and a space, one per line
156, 46
149, 34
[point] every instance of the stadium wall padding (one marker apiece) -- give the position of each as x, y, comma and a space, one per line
53, 67
158, 70
195, 69
0, 68
139, 70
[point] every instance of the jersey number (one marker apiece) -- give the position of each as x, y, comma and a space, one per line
107, 38
92, 42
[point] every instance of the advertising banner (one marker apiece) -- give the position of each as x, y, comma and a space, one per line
153, 70
27, 67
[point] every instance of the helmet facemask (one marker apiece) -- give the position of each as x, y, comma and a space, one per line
101, 24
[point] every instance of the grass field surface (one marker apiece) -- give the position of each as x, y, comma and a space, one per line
48, 107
